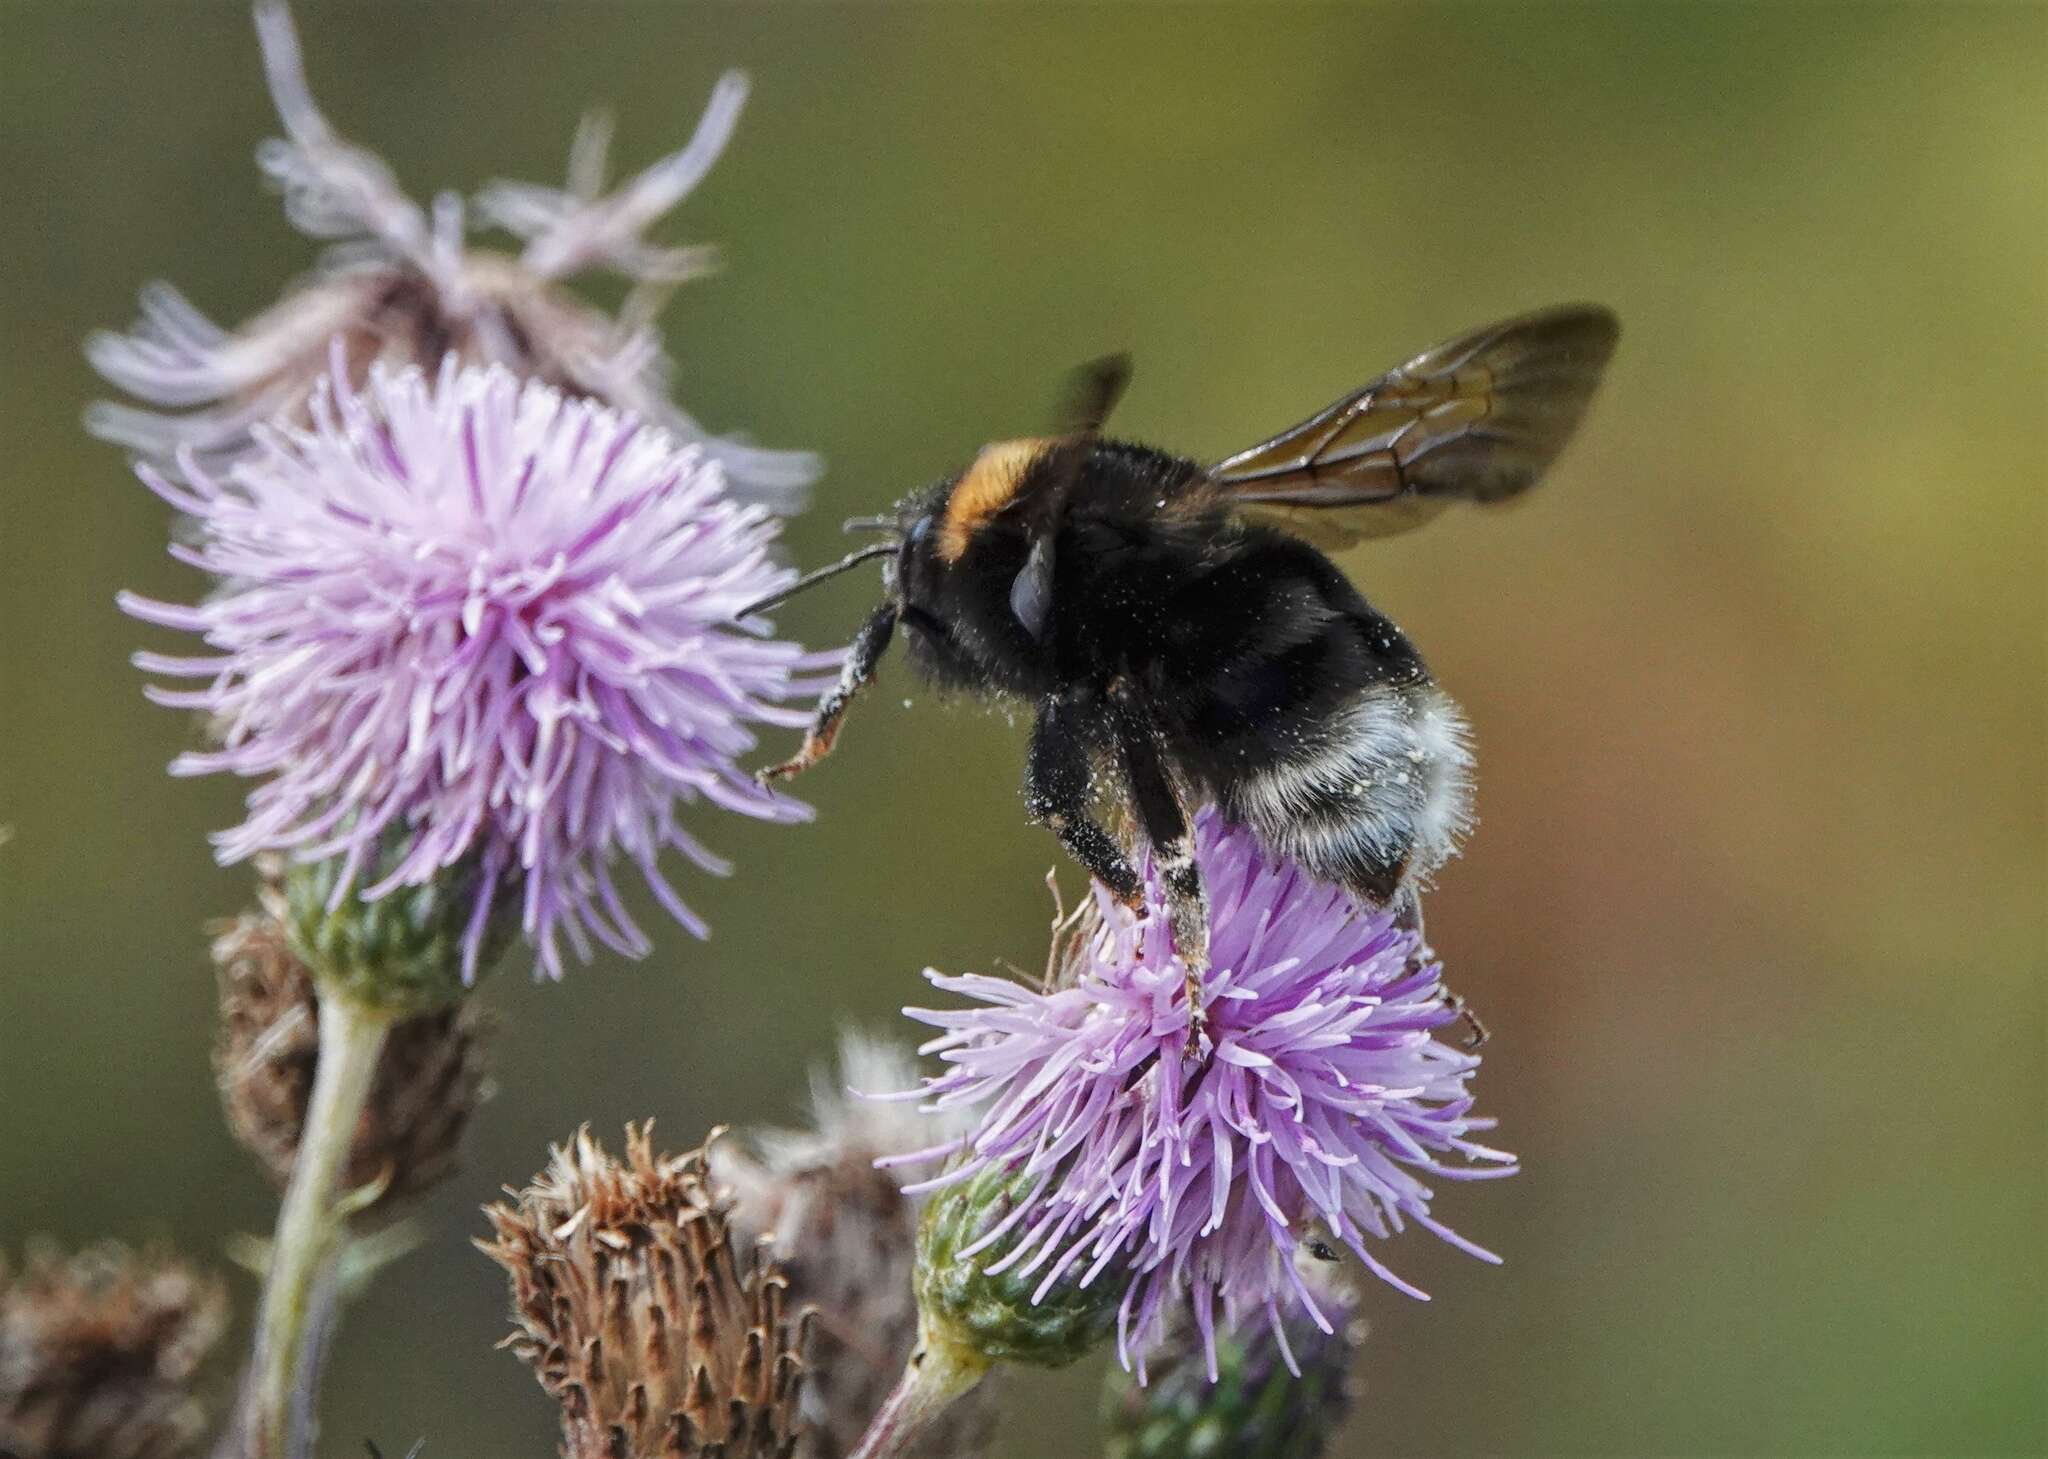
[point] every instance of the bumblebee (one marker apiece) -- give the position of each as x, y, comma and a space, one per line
1182, 636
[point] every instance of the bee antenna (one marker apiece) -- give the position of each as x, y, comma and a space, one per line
868, 524
812, 579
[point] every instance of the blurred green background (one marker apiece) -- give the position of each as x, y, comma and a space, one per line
1756, 908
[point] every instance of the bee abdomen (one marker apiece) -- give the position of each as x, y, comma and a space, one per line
1376, 800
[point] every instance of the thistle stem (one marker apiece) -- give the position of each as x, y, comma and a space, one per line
323, 1313
938, 1373
309, 1224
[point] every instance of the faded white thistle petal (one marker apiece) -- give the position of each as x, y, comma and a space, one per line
491, 627
403, 285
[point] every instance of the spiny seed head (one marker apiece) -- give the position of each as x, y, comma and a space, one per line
430, 1078
99, 1353
657, 1336
403, 286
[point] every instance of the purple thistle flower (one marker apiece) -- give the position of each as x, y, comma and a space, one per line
490, 621
402, 283
1321, 1100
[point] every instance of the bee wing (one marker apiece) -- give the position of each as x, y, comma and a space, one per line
1476, 419
1091, 393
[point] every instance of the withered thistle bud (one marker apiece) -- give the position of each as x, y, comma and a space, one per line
98, 1353
658, 1338
430, 1077
845, 1236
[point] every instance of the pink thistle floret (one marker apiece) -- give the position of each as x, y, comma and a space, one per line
491, 624
1319, 1104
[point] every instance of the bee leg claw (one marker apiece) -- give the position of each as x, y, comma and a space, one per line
816, 746
1476, 1031
854, 675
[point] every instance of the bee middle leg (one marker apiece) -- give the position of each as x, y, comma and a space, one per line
1164, 821
1058, 781
855, 674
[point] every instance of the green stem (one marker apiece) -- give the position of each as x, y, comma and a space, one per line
309, 1224
323, 1309
939, 1372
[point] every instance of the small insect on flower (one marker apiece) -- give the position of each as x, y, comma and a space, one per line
1318, 1114
405, 286
470, 629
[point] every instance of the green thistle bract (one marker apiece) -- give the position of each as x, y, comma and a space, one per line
403, 952
968, 1297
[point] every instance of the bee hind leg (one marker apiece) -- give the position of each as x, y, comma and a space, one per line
1407, 908
1476, 1031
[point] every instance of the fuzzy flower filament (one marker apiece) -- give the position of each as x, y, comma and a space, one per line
469, 625
1320, 1105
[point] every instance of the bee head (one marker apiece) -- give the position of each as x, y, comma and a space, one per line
976, 547
967, 567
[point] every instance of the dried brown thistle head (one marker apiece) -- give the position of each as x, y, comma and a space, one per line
630, 1302
846, 1238
430, 1077
98, 1353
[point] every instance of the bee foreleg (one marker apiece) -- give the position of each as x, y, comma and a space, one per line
1165, 824
854, 675
1058, 779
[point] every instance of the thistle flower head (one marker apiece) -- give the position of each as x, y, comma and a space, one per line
473, 632
403, 285
99, 1352
1319, 1106
431, 1074
845, 1237
659, 1339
